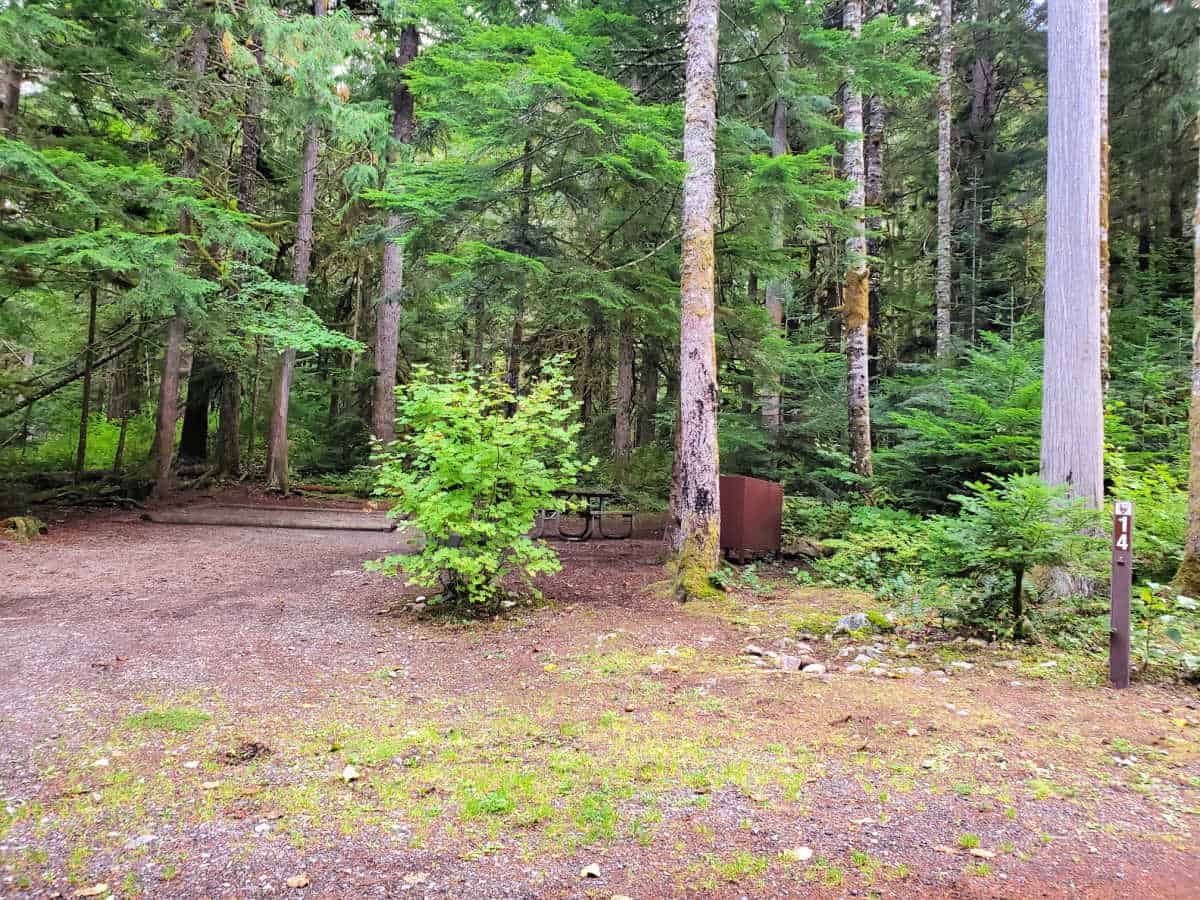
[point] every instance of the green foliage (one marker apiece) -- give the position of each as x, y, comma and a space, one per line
806, 517
170, 718
1011, 526
21, 529
948, 427
473, 466
1160, 514
879, 550
1166, 629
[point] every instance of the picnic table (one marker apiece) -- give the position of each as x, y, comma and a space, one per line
592, 514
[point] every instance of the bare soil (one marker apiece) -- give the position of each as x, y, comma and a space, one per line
179, 706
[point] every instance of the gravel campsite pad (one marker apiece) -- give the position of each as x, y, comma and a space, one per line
193, 711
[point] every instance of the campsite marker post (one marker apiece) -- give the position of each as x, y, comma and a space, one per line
1122, 586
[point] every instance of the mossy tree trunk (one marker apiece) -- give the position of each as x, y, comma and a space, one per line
856, 292
695, 492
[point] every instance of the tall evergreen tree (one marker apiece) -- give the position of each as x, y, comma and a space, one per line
856, 291
695, 492
945, 199
1072, 407
383, 415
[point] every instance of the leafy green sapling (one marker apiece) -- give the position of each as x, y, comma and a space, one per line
473, 466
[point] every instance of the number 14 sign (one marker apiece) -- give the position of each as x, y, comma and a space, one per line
1122, 586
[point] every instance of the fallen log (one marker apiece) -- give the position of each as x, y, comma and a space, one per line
273, 517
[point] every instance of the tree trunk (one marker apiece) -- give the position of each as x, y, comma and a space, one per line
281, 384
168, 394
479, 326
945, 249
119, 455
1017, 600
229, 425
1072, 405
255, 380
1188, 578
168, 405
383, 409
622, 431
512, 363
648, 393
876, 118
89, 360
1104, 189
10, 96
193, 438
696, 500
776, 290
855, 295
251, 140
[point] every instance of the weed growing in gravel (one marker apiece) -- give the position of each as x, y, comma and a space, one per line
169, 718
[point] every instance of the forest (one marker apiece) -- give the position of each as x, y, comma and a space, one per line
932, 266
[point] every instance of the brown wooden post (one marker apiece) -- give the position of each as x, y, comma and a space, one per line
1122, 585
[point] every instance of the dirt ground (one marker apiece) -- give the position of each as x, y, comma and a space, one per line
231, 712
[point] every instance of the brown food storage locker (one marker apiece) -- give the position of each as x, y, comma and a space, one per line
751, 517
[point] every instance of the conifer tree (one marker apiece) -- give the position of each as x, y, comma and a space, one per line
695, 491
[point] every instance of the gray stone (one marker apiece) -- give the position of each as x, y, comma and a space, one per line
852, 622
813, 669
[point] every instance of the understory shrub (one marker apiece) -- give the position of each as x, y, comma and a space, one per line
1160, 515
878, 545
1166, 630
807, 517
471, 468
1007, 528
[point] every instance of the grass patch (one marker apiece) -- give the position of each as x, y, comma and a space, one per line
169, 718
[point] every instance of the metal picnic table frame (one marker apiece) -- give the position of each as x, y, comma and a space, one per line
593, 517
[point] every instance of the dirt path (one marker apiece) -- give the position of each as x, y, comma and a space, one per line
179, 705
